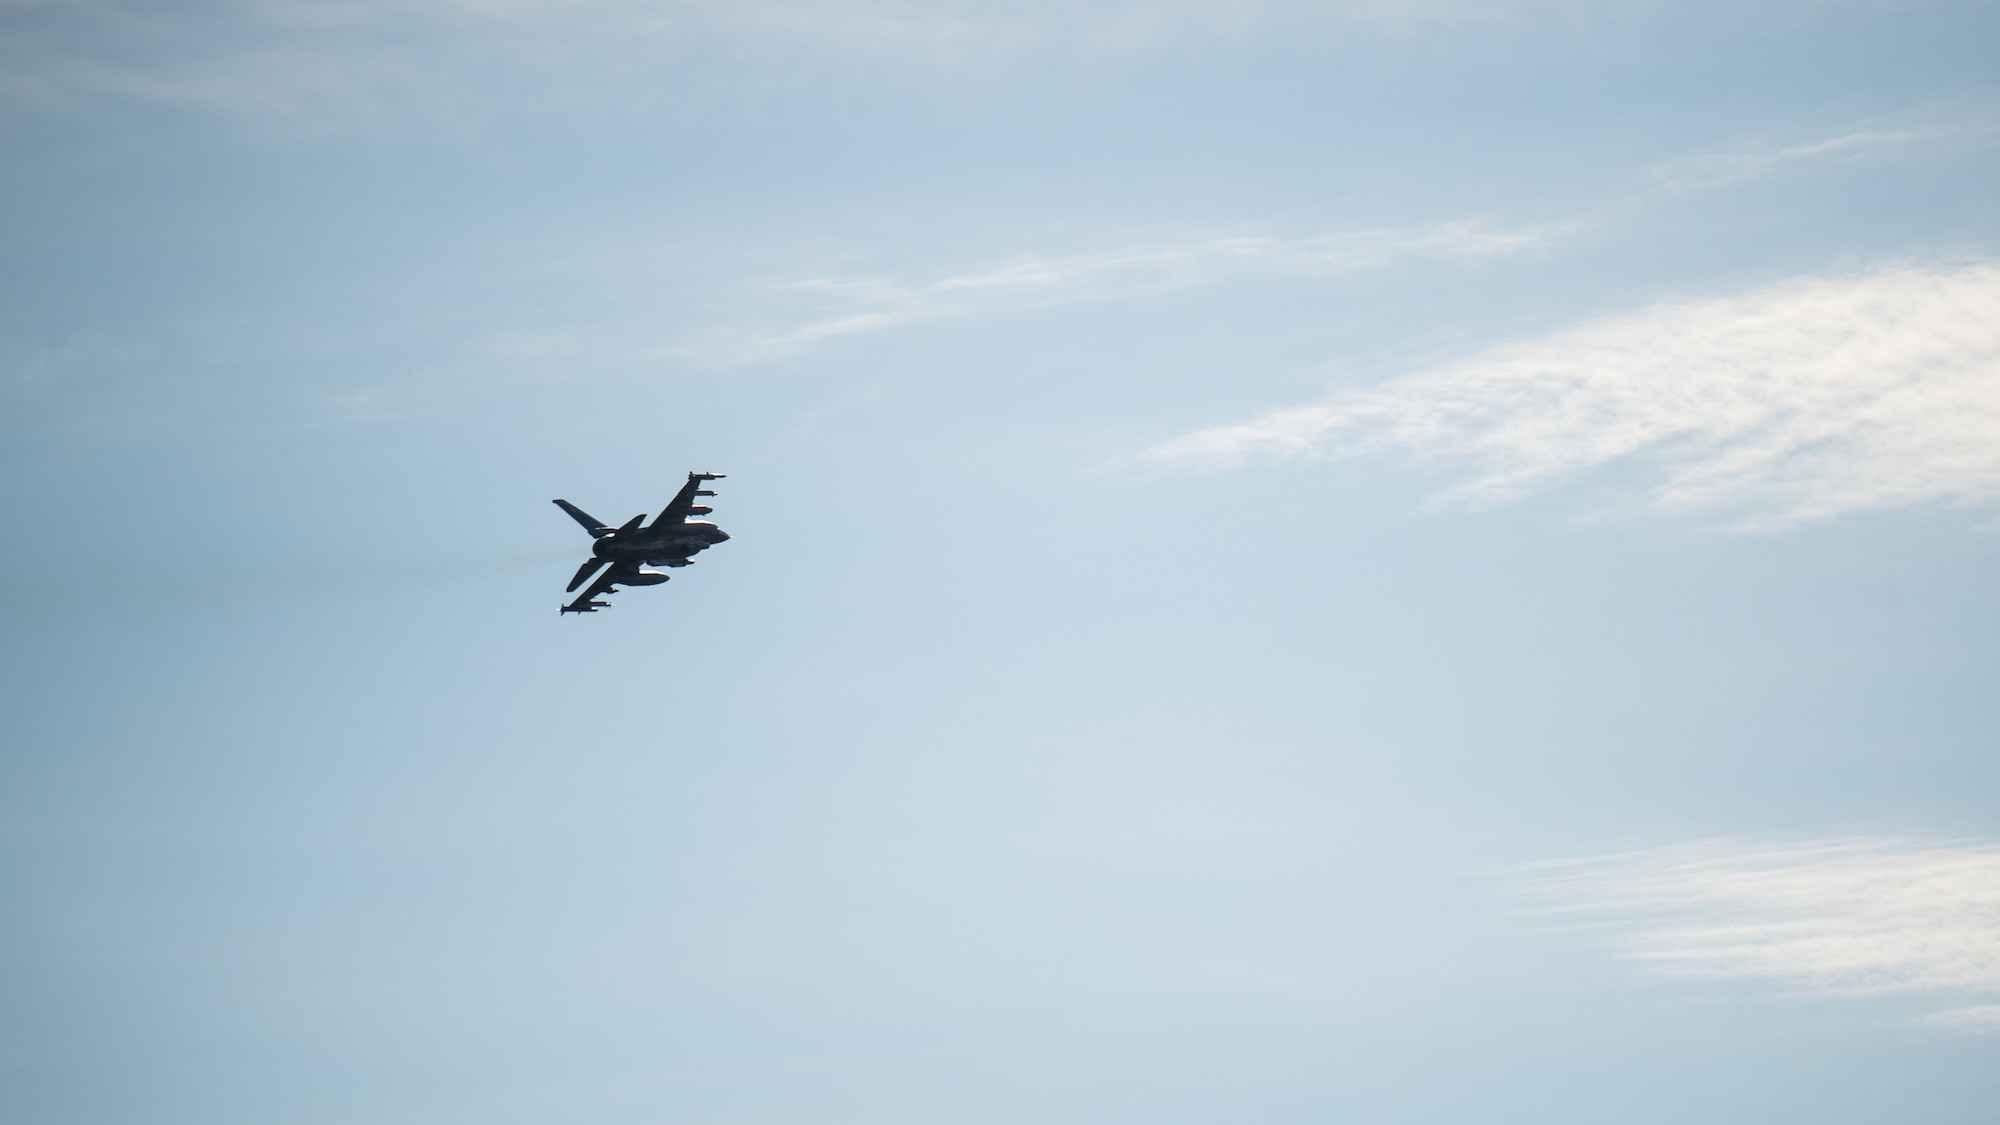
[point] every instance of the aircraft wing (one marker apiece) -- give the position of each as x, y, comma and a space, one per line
683, 504
614, 574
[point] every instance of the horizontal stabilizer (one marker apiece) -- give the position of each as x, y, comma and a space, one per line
584, 572
619, 573
590, 523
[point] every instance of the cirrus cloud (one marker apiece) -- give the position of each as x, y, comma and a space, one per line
1794, 402
1852, 916
331, 65
873, 304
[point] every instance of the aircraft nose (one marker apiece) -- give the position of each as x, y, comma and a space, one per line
720, 535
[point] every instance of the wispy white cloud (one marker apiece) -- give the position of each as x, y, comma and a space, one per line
872, 304
361, 63
1747, 161
1795, 402
1856, 916
1979, 1017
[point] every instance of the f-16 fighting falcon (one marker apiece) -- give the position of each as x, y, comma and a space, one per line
668, 541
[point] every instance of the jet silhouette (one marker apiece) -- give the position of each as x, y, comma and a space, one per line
670, 540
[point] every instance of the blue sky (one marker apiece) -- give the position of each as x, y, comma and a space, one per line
1377, 562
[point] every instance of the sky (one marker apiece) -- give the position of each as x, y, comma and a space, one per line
1417, 562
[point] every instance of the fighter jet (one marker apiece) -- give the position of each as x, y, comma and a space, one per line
670, 540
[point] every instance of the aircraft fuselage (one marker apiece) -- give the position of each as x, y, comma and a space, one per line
659, 544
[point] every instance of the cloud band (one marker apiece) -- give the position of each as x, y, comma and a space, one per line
1856, 916
1798, 401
